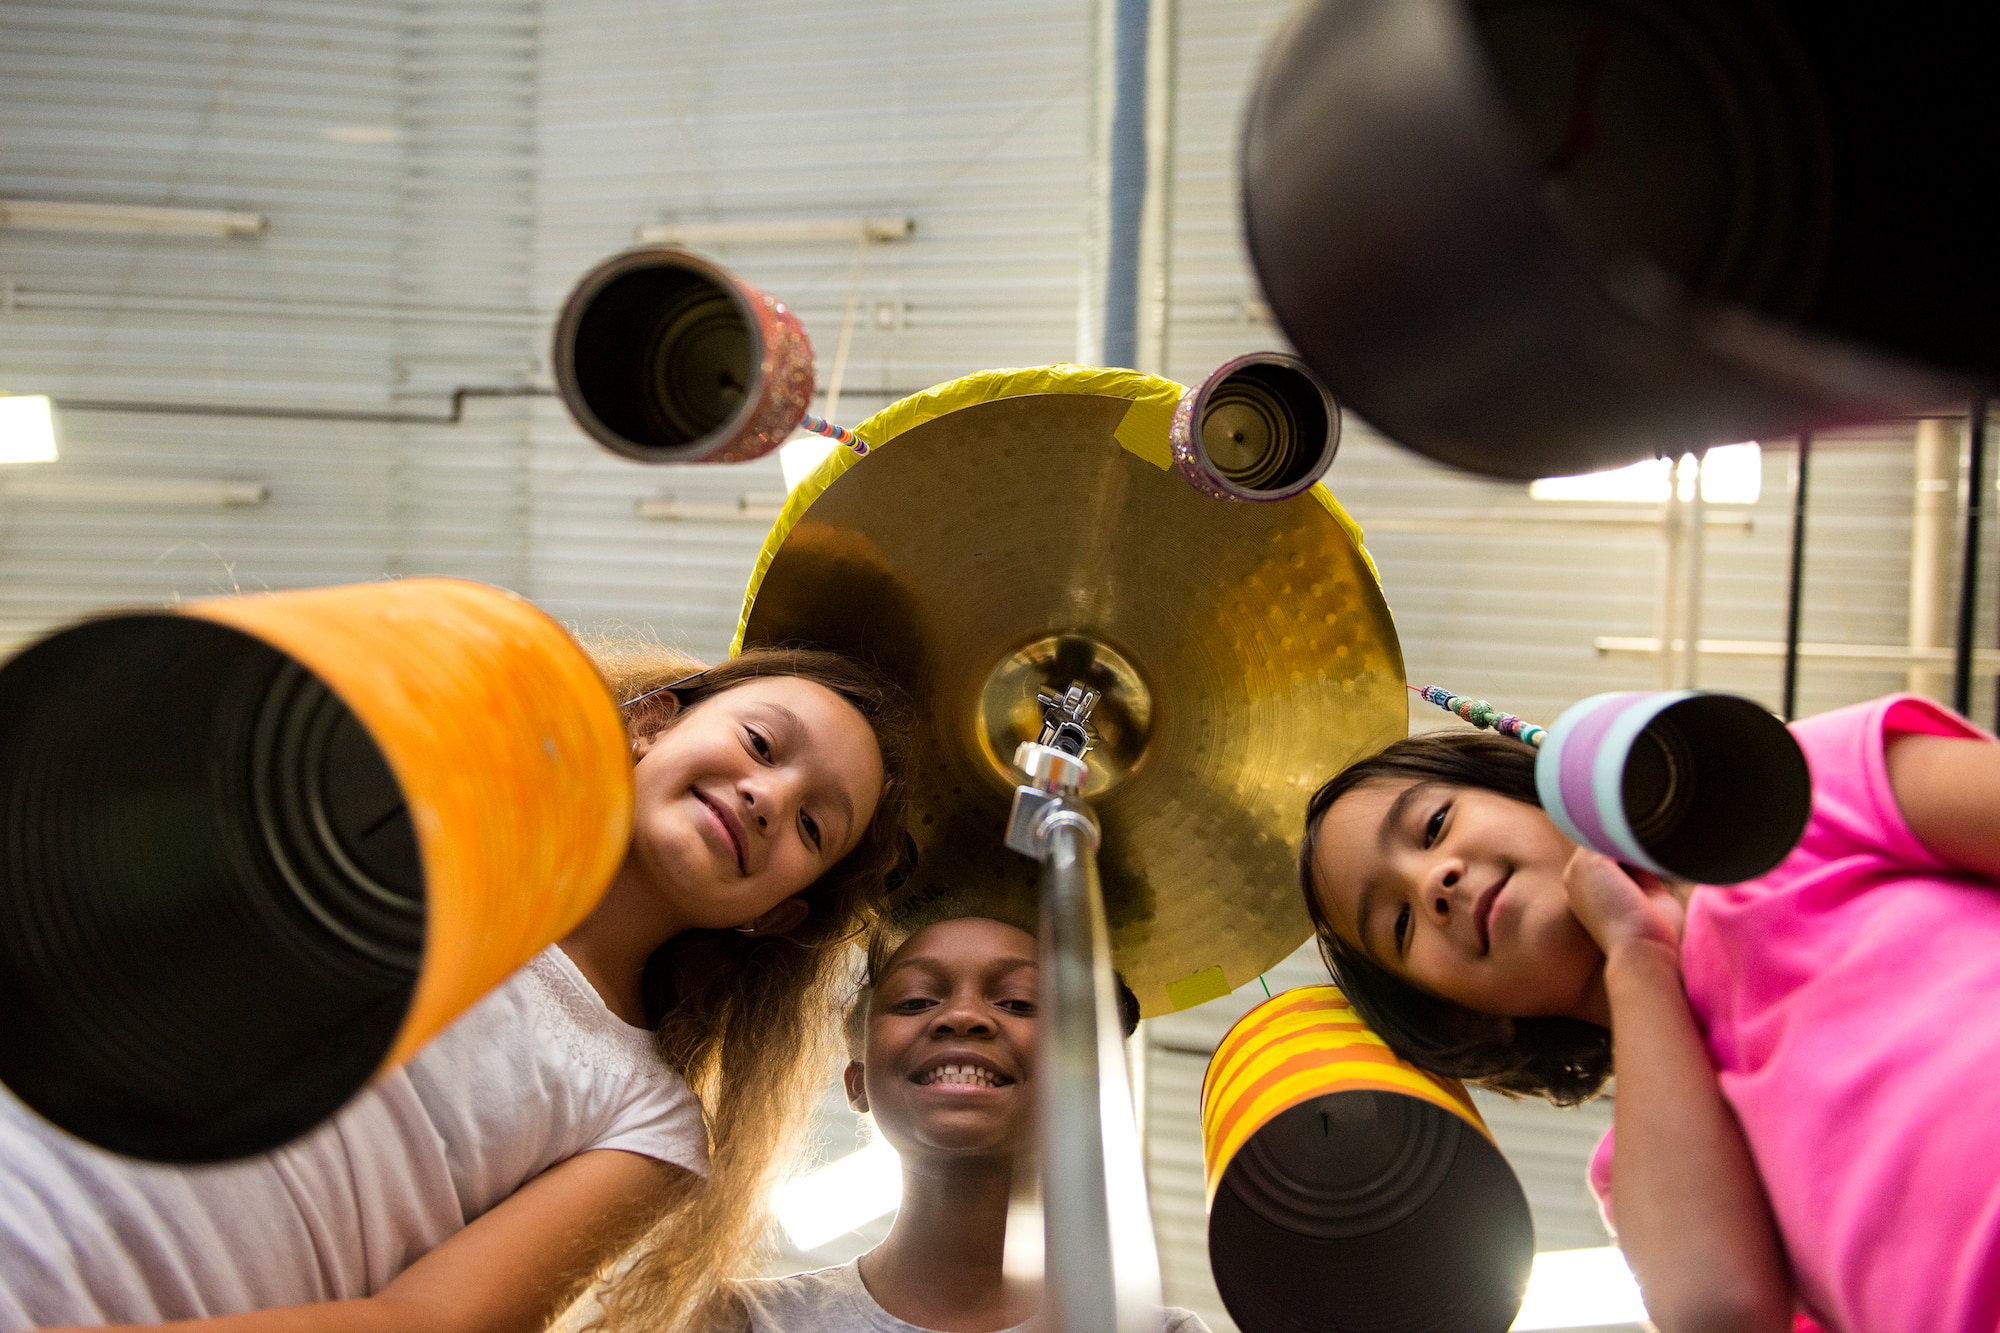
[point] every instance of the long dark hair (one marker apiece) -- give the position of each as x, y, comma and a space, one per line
1565, 1060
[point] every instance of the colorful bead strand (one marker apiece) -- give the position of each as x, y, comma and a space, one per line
1482, 714
821, 426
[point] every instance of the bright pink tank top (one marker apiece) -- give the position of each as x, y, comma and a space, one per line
1851, 1002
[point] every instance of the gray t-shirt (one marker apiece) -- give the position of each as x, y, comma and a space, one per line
835, 1300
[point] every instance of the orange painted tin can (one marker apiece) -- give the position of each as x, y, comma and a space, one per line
264, 847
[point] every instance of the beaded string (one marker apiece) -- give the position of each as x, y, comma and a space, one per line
1482, 714
636, 700
821, 426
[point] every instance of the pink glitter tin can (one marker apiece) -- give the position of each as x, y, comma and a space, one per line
1261, 427
1687, 784
664, 357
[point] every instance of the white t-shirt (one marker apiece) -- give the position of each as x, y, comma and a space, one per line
836, 1300
533, 1074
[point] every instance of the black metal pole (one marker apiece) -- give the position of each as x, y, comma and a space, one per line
1796, 600
1968, 576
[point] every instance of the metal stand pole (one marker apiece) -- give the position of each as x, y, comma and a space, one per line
1968, 578
1082, 1291
1103, 1272
1102, 1266
1933, 530
1686, 535
1795, 602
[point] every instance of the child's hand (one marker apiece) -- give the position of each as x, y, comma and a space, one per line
1621, 907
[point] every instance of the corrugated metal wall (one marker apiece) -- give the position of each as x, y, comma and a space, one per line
437, 175
218, 106
460, 496
966, 117
391, 145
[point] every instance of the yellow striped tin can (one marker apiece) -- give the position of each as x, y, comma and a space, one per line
1350, 1190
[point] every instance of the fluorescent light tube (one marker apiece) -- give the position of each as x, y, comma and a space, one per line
121, 491
127, 219
751, 231
27, 429
749, 508
368, 134
1731, 474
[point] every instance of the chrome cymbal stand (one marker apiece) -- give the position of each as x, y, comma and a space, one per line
1102, 1267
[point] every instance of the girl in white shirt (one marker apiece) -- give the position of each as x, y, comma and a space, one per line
640, 1081
942, 1042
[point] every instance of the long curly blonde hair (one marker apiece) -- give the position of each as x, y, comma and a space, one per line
749, 1021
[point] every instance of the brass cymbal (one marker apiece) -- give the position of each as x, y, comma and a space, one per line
1024, 530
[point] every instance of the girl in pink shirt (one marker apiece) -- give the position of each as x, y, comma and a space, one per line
1808, 1119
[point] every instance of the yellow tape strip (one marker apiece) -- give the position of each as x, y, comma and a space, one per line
1208, 984
1143, 431
1347, 525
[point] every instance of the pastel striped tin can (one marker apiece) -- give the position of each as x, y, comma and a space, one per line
1687, 784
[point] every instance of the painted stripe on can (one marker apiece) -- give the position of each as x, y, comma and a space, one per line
1608, 776
1564, 768
1296, 1046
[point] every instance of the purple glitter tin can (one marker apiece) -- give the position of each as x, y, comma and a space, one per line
1685, 783
664, 357
1261, 427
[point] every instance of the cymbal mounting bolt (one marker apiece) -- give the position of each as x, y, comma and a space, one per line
1066, 720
